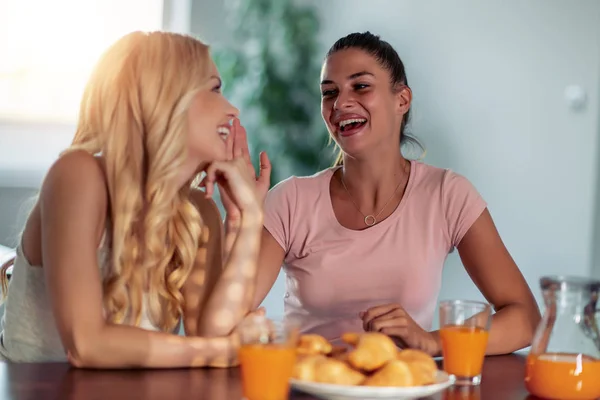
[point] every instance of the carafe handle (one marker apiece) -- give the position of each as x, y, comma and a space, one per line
590, 325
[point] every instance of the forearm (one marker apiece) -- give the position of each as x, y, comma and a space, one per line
512, 329
121, 346
232, 226
231, 297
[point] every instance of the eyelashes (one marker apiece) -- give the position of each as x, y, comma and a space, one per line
332, 92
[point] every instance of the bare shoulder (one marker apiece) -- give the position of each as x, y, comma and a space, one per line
77, 165
75, 181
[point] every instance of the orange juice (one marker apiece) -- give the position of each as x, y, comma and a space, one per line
266, 370
463, 348
563, 376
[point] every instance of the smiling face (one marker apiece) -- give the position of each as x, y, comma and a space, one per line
361, 108
209, 120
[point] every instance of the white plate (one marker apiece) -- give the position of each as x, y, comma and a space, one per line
342, 392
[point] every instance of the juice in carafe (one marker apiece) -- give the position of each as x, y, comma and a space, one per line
563, 376
564, 360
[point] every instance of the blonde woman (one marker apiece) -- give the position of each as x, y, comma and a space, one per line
120, 246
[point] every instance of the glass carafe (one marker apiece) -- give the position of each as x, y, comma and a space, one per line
564, 360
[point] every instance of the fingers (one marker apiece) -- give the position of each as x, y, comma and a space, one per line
225, 169
240, 146
232, 177
240, 142
242, 137
377, 311
264, 175
397, 331
209, 187
229, 144
261, 311
398, 335
390, 320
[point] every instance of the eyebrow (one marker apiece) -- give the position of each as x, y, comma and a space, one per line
350, 77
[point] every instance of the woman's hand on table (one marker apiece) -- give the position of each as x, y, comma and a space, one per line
394, 321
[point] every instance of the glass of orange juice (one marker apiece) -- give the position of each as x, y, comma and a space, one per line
267, 357
464, 330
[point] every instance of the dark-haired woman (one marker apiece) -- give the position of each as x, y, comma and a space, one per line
363, 243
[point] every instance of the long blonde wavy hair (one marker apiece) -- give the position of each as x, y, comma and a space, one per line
134, 114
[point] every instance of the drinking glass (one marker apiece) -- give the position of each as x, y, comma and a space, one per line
464, 331
267, 357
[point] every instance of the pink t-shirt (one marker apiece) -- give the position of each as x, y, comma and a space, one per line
333, 273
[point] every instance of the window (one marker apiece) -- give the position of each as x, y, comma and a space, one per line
48, 49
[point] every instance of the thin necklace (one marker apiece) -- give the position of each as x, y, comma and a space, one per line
370, 219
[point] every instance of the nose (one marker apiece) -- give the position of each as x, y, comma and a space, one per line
343, 100
232, 111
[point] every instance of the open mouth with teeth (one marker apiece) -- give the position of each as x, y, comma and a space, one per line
223, 132
349, 126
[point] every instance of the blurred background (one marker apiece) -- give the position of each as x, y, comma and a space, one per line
505, 93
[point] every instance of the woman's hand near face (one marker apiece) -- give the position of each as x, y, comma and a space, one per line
238, 148
236, 185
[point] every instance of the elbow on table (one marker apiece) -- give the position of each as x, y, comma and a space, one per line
83, 353
528, 326
86, 351
531, 326
77, 359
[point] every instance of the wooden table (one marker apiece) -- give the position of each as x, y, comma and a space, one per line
502, 380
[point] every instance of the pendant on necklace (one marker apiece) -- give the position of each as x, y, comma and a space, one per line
370, 220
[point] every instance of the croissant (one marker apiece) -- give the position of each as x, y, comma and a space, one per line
422, 366
372, 351
318, 368
305, 367
311, 344
371, 359
336, 372
394, 373
351, 338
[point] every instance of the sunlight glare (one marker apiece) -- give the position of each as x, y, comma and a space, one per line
48, 49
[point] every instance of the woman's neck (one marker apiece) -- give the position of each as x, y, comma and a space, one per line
371, 183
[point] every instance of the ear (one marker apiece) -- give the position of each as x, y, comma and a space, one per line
404, 98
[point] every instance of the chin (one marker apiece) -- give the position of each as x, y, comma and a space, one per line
217, 153
221, 157
353, 148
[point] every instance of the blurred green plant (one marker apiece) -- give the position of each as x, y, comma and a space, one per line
271, 73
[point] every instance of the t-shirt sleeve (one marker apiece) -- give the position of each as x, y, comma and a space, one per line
462, 205
279, 208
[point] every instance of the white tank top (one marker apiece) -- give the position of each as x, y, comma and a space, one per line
28, 331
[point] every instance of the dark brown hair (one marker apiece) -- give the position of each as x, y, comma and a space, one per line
389, 59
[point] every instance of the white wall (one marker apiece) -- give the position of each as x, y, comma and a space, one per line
596, 236
26, 152
488, 81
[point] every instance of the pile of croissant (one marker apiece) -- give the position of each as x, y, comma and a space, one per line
371, 359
